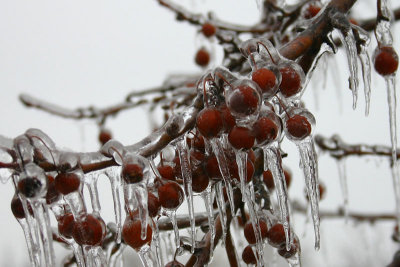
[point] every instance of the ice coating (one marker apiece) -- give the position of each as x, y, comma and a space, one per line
309, 165
218, 149
349, 43
363, 40
341, 163
187, 185
116, 187
274, 161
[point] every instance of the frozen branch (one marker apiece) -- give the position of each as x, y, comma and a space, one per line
339, 149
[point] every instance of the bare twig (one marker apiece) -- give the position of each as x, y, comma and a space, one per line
339, 149
372, 218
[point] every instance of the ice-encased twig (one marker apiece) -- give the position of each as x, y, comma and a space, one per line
187, 185
309, 165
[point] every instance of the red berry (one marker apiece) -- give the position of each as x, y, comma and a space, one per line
174, 264
386, 60
241, 138
269, 180
288, 178
202, 57
90, 231
292, 250
265, 130
104, 136
166, 172
208, 29
249, 231
153, 205
311, 11
248, 255
265, 78
52, 194
170, 195
227, 118
17, 208
200, 180
244, 100
276, 235
66, 225
196, 157
131, 231
251, 155
298, 127
209, 122
197, 142
66, 183
291, 81
212, 168
234, 172
132, 173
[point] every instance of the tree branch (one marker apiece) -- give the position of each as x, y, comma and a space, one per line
339, 149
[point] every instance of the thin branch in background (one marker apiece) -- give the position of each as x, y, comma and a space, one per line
339, 149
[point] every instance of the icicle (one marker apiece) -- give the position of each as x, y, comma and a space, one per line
274, 161
41, 215
221, 209
249, 199
5, 173
135, 196
366, 72
208, 202
76, 203
116, 255
343, 184
294, 261
241, 161
33, 248
116, 186
99, 257
144, 256
172, 216
187, 185
156, 242
310, 168
91, 182
391, 97
217, 147
346, 36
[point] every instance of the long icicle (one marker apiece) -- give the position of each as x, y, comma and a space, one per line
187, 185
274, 161
310, 168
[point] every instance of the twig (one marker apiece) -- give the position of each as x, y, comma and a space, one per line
183, 221
198, 19
231, 250
339, 149
297, 207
